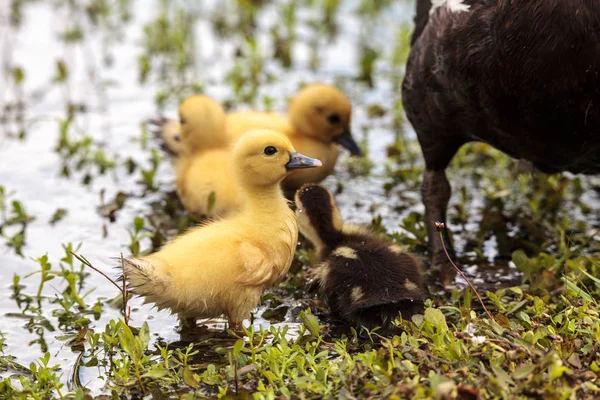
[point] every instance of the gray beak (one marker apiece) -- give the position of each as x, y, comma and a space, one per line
346, 140
298, 161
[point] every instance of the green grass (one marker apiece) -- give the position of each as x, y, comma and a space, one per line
541, 343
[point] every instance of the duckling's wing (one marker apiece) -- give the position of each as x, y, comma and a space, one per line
258, 268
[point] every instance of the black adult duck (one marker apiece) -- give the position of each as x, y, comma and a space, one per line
521, 75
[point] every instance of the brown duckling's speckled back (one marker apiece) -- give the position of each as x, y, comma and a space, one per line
364, 280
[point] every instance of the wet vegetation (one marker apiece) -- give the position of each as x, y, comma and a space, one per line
82, 180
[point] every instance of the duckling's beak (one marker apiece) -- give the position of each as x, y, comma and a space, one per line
298, 161
346, 140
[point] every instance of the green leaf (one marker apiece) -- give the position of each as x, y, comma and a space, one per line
517, 306
498, 329
572, 287
62, 71
211, 202
144, 68
238, 346
523, 371
501, 375
520, 259
270, 376
417, 319
468, 297
556, 370
523, 316
592, 277
138, 224
18, 75
516, 290
311, 322
128, 341
157, 371
144, 335
189, 378
436, 318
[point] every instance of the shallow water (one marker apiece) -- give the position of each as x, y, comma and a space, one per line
104, 78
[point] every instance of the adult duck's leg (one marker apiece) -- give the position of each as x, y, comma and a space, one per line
436, 191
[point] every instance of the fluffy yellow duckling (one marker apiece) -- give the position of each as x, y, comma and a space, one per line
318, 118
204, 165
201, 121
223, 267
168, 131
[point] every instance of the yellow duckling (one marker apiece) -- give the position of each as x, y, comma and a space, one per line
168, 131
204, 165
318, 118
223, 267
201, 126
366, 281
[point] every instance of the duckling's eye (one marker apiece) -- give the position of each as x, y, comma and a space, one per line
270, 150
333, 119
182, 121
177, 138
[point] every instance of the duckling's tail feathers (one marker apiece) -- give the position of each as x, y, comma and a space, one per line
141, 279
143, 282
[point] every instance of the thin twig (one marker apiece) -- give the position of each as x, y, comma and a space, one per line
88, 264
439, 226
235, 375
126, 310
123, 290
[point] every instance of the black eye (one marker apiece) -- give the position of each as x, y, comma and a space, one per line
177, 138
270, 150
182, 121
333, 119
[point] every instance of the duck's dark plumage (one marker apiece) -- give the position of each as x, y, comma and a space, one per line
521, 75
364, 280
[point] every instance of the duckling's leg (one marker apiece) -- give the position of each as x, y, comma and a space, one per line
315, 276
244, 301
187, 323
237, 327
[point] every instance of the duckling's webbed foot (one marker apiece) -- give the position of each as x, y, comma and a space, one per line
436, 193
187, 323
237, 327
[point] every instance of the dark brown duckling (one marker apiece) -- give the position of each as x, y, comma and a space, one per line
365, 281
